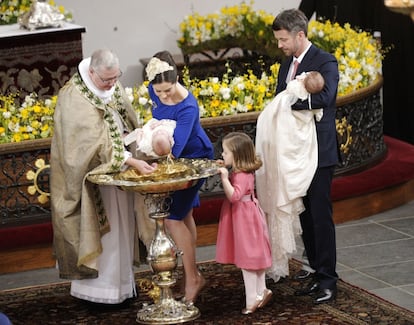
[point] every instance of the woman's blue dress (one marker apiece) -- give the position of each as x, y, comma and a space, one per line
190, 141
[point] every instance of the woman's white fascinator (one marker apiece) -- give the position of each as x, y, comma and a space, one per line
156, 66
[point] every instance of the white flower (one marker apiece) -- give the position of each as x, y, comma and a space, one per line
130, 94
241, 108
241, 86
128, 90
142, 91
29, 100
352, 55
46, 118
14, 127
142, 101
237, 79
202, 110
6, 115
225, 92
207, 92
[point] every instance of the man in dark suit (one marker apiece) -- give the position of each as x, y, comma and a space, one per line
397, 36
290, 29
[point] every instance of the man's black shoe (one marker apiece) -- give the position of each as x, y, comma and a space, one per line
302, 275
324, 296
310, 289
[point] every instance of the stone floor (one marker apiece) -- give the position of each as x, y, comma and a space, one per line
375, 253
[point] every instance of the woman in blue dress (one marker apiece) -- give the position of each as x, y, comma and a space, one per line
173, 101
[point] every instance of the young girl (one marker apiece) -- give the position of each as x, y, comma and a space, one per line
242, 234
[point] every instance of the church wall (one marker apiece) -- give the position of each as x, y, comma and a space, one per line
138, 29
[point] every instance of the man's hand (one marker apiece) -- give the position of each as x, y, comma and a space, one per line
142, 166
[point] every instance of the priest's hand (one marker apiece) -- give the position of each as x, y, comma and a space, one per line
142, 166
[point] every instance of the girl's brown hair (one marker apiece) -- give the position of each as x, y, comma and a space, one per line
244, 154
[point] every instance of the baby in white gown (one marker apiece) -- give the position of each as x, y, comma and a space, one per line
305, 84
155, 139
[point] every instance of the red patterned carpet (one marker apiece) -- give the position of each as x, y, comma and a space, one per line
219, 303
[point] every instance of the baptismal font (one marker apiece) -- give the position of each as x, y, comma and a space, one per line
163, 254
163, 259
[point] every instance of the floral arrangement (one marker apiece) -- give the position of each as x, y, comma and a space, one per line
141, 101
359, 55
359, 61
11, 10
31, 120
238, 25
244, 93
215, 96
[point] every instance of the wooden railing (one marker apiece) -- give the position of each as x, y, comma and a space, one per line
360, 135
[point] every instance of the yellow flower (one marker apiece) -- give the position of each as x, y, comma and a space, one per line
251, 27
17, 137
30, 120
215, 103
359, 56
37, 109
225, 96
24, 113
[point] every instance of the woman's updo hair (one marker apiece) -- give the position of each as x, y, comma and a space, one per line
166, 76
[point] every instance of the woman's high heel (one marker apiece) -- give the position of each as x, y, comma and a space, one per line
201, 285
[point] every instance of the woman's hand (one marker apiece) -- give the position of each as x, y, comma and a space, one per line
142, 166
154, 124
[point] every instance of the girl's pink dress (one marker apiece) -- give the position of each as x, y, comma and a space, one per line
243, 237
